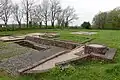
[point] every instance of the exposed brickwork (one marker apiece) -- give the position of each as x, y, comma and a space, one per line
97, 50
58, 43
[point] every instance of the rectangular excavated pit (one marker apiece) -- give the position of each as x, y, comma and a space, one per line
43, 50
52, 42
40, 54
32, 45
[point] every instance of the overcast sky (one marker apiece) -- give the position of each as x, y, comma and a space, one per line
86, 9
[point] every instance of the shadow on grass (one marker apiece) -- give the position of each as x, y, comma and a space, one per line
114, 70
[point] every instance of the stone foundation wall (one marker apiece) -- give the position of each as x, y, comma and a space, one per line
58, 43
89, 49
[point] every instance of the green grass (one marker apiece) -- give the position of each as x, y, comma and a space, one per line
64, 34
82, 70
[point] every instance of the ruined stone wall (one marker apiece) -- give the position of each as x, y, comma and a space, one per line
58, 43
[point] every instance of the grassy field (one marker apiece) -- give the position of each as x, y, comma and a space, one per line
82, 70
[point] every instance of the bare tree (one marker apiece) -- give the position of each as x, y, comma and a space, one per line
1, 7
6, 10
66, 16
27, 6
37, 15
60, 19
17, 14
55, 8
69, 15
45, 11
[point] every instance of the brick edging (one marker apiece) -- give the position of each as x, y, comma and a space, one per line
52, 42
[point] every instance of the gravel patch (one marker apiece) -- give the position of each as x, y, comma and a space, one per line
22, 61
8, 50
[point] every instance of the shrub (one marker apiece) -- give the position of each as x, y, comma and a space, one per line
86, 25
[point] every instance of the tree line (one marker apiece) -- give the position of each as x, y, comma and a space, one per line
109, 19
32, 13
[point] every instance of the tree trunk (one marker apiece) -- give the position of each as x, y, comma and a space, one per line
66, 24
19, 23
46, 24
63, 24
40, 24
58, 23
52, 22
27, 20
30, 24
27, 16
6, 24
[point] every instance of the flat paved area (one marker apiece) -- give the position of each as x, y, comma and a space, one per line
51, 63
11, 38
84, 33
22, 61
110, 54
16, 38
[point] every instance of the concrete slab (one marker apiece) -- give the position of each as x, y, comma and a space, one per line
35, 34
52, 63
43, 35
109, 55
11, 38
16, 38
84, 33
